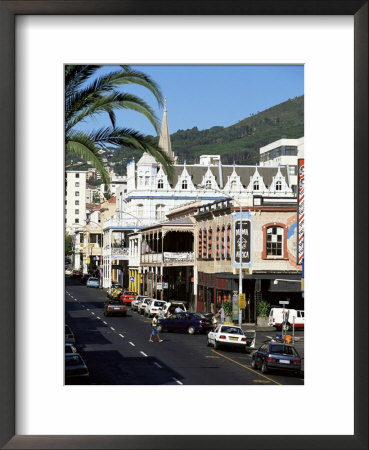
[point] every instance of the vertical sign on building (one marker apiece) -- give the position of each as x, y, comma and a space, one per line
245, 242
301, 211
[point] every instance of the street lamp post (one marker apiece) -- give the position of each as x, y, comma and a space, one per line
240, 242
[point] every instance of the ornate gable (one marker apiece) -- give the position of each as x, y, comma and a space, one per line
184, 182
209, 181
256, 184
279, 185
234, 183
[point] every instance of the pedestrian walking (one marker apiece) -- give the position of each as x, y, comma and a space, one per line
154, 329
221, 314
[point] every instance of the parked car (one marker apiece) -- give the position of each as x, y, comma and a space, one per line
70, 348
76, 370
112, 307
155, 307
128, 297
228, 336
68, 271
69, 336
137, 301
171, 306
144, 304
85, 277
93, 282
76, 273
276, 355
186, 322
284, 318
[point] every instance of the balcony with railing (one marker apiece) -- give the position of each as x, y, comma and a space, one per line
169, 258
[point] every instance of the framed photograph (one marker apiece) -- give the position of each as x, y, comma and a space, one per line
330, 39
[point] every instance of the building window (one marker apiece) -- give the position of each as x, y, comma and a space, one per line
204, 244
233, 185
76, 202
147, 178
77, 175
184, 184
208, 184
77, 184
223, 243
76, 193
278, 186
160, 184
199, 250
274, 241
65, 202
228, 248
139, 210
76, 211
218, 243
210, 244
160, 212
256, 185
76, 220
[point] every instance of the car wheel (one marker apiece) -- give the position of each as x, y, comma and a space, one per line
264, 368
159, 328
216, 345
253, 364
191, 330
208, 343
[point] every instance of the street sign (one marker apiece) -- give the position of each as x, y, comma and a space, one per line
165, 285
131, 279
284, 302
242, 301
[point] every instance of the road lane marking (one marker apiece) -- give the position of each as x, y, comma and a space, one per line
177, 381
157, 365
104, 322
98, 317
88, 309
113, 329
133, 345
93, 313
121, 335
248, 368
143, 353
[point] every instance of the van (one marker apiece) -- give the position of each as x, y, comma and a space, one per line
277, 316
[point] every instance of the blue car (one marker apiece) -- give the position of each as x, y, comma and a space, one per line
186, 322
93, 282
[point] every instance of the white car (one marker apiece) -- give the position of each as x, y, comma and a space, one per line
143, 305
136, 302
227, 335
155, 307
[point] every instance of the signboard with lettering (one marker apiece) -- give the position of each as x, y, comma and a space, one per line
301, 211
245, 242
235, 307
242, 301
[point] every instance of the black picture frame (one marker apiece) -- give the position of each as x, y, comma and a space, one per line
8, 11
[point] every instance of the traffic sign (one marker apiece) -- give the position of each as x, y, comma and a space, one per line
131, 279
284, 302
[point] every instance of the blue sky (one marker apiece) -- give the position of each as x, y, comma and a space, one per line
207, 96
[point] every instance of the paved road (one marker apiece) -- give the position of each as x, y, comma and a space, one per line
117, 351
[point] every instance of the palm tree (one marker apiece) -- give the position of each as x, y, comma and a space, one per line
88, 95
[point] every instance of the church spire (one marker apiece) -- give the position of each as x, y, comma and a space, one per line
164, 139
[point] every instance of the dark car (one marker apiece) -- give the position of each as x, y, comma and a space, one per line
112, 307
273, 355
70, 348
185, 322
76, 371
76, 273
85, 277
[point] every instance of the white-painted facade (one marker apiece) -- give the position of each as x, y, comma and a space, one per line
285, 152
75, 200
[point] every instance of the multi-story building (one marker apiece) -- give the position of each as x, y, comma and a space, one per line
269, 252
284, 152
75, 200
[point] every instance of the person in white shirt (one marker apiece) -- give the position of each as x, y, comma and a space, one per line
178, 309
154, 329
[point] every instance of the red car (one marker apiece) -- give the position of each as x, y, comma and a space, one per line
128, 297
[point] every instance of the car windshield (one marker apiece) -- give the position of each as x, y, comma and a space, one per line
93, 279
71, 359
129, 293
158, 303
231, 330
281, 349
